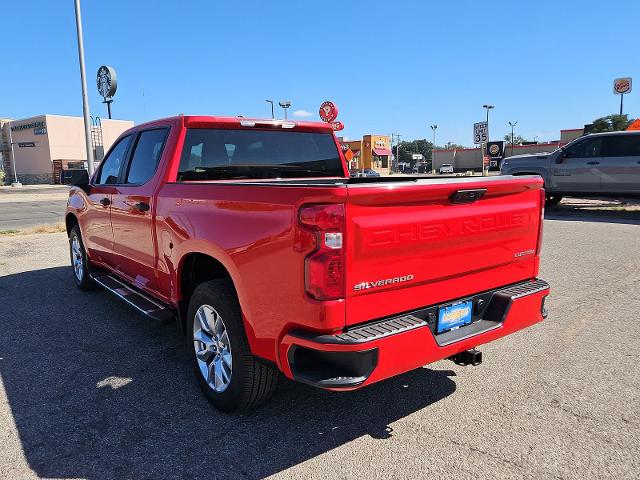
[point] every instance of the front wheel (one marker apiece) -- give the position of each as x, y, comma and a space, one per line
231, 378
79, 260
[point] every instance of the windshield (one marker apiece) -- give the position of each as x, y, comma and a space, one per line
224, 154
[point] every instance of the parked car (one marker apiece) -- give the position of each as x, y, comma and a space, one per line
446, 168
602, 164
365, 172
250, 235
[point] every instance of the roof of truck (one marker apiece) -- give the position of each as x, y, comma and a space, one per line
222, 121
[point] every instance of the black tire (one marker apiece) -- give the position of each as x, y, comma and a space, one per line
552, 200
251, 382
83, 279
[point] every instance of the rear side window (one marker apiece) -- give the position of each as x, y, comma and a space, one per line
224, 154
146, 156
111, 165
621, 146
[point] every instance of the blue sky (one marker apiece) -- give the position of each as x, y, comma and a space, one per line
390, 66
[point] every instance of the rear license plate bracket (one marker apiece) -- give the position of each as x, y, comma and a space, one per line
454, 316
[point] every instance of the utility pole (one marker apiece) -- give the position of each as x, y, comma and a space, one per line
512, 126
433, 148
85, 98
273, 115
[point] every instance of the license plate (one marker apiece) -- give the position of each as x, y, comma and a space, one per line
454, 316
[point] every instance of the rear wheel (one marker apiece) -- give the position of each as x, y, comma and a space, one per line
231, 378
552, 200
79, 260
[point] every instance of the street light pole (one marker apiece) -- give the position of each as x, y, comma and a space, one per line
484, 145
272, 112
85, 98
285, 104
512, 126
15, 183
433, 148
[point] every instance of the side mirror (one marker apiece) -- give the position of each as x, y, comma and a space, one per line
79, 178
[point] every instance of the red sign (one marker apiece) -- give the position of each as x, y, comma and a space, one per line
328, 112
337, 126
635, 125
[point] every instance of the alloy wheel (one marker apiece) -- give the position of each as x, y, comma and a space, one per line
212, 348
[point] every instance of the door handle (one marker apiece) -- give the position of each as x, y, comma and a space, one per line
105, 202
141, 207
593, 163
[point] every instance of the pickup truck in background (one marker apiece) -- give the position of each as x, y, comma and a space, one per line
600, 164
251, 235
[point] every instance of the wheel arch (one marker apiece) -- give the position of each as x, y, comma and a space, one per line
197, 267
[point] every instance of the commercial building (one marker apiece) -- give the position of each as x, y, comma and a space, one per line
465, 159
373, 152
44, 144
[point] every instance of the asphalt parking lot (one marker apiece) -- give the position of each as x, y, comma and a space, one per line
90, 390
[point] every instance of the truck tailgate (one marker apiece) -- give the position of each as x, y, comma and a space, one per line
409, 245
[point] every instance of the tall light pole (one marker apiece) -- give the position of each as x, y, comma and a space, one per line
85, 98
272, 112
285, 104
512, 126
15, 183
484, 145
433, 148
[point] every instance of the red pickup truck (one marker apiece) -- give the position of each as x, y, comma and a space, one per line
252, 236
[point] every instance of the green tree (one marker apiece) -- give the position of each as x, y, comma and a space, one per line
517, 139
610, 123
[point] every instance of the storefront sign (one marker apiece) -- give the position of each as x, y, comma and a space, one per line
328, 111
337, 126
26, 126
496, 149
40, 131
26, 144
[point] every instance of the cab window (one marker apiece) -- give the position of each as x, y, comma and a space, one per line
146, 156
111, 165
621, 146
587, 148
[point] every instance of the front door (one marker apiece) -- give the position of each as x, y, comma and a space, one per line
620, 165
132, 211
578, 168
98, 235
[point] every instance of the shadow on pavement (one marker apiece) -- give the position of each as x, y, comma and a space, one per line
590, 212
98, 392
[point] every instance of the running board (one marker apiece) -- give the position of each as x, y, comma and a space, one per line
146, 305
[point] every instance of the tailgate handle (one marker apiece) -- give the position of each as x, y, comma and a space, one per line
467, 196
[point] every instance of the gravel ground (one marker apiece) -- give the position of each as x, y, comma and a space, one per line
88, 389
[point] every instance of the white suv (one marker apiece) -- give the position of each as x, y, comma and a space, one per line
446, 168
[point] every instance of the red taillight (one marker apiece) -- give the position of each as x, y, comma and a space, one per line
324, 267
543, 199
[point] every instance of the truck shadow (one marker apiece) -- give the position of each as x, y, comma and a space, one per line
96, 392
610, 211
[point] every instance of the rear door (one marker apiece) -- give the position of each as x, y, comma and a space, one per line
408, 245
620, 164
132, 207
578, 169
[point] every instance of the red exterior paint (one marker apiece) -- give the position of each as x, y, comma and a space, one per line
252, 229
